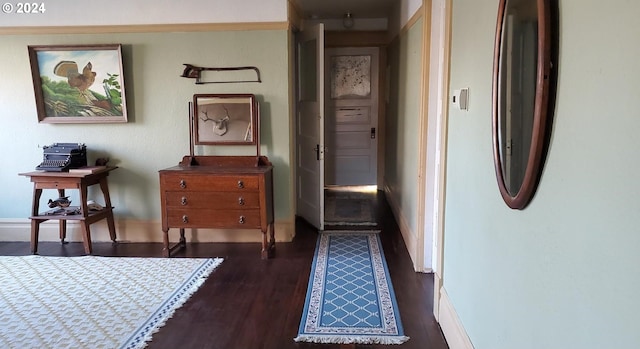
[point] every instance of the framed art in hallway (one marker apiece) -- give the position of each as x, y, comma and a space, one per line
78, 83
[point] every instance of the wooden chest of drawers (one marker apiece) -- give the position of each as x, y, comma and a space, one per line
231, 192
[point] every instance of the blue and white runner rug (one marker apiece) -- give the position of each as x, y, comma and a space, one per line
350, 297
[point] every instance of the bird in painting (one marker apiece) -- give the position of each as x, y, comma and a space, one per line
80, 80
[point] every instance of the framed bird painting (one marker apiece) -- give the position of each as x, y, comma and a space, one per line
78, 83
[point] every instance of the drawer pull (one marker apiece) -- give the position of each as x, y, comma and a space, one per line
241, 220
183, 184
241, 201
185, 219
183, 201
240, 184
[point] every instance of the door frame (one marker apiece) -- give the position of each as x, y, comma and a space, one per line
433, 155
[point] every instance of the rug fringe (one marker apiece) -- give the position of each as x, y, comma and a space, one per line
360, 231
324, 339
153, 325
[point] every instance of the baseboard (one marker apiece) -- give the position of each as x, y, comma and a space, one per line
129, 230
409, 237
450, 323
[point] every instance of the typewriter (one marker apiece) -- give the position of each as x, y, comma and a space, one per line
60, 157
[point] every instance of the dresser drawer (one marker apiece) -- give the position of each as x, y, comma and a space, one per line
213, 200
208, 218
179, 181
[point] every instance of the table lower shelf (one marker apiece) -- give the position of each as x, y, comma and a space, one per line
73, 213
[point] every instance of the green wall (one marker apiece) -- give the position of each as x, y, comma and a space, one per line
563, 273
156, 135
402, 128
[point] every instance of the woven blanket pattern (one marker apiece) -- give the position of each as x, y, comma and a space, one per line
92, 302
350, 297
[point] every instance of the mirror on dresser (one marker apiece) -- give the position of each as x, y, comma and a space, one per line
229, 193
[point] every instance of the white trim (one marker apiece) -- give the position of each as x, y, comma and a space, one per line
129, 230
409, 237
451, 326
438, 238
424, 253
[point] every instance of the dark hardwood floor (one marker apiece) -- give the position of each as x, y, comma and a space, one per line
249, 303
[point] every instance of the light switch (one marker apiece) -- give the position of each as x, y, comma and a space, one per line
461, 98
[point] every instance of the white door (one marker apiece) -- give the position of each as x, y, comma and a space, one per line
352, 116
310, 127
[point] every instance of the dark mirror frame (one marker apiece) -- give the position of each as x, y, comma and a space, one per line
225, 119
541, 113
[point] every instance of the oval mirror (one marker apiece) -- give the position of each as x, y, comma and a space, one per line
521, 69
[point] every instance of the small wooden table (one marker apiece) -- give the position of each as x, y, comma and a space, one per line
69, 180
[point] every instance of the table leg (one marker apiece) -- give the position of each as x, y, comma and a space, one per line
63, 230
35, 231
84, 210
105, 192
62, 223
107, 202
37, 193
86, 237
35, 224
86, 231
112, 227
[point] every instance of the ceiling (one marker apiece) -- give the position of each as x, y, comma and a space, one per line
326, 9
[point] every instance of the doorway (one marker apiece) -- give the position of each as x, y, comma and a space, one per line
342, 155
351, 116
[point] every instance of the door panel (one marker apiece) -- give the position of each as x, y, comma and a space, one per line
350, 141
352, 116
310, 127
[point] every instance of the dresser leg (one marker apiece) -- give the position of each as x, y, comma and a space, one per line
272, 238
167, 249
265, 248
183, 241
268, 246
165, 242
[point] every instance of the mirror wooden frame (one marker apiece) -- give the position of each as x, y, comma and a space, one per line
541, 112
225, 119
